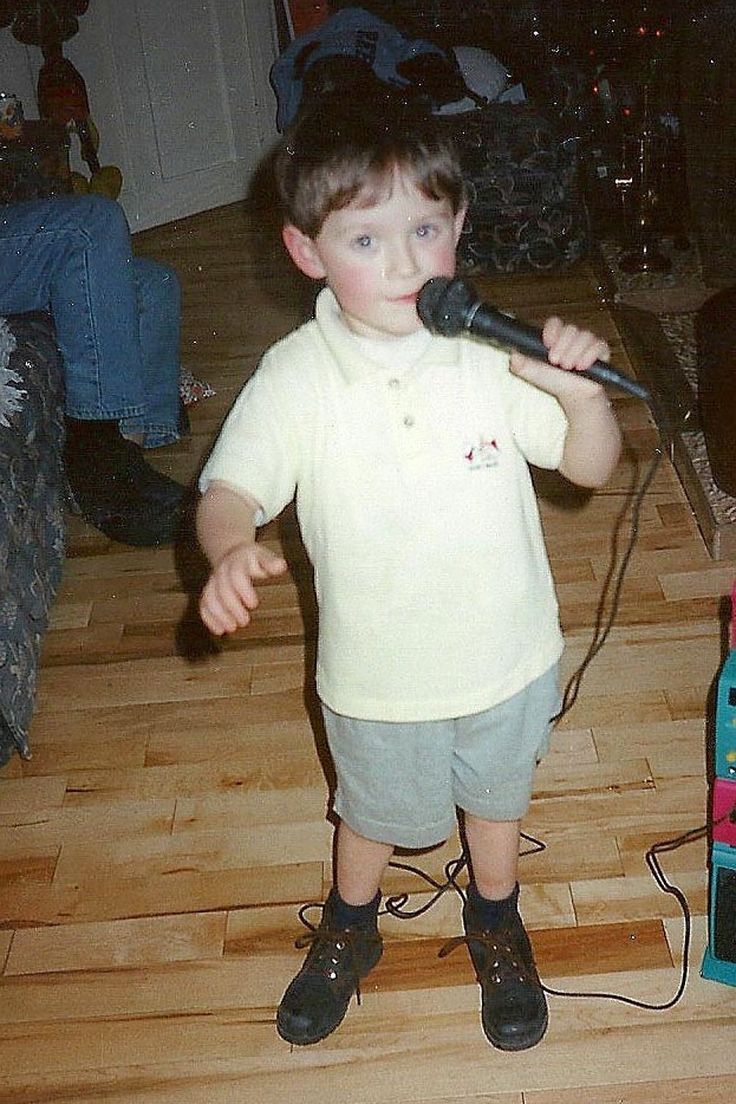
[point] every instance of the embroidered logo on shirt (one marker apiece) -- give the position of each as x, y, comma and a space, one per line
483, 454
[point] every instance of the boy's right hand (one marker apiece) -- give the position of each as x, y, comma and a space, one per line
229, 594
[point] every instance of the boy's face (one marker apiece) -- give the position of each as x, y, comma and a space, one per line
376, 259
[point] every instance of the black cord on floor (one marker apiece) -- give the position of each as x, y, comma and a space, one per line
395, 906
666, 887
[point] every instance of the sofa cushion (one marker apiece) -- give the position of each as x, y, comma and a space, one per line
31, 511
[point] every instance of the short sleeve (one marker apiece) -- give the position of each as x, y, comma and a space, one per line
538, 422
257, 450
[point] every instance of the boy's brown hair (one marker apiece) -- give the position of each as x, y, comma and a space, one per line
342, 149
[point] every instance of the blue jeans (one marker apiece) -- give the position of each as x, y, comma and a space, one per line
117, 316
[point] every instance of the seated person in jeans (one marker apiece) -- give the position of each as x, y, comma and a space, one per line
117, 327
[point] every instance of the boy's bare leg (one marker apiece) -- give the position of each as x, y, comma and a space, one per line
346, 947
513, 1005
494, 855
360, 865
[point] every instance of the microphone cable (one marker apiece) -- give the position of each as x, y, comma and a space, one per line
395, 904
615, 577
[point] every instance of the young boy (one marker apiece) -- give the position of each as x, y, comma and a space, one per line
408, 454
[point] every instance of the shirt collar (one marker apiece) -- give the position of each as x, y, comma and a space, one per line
352, 353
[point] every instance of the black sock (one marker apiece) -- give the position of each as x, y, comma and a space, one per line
344, 915
492, 913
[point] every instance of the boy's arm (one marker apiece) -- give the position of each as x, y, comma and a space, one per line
225, 518
227, 533
593, 439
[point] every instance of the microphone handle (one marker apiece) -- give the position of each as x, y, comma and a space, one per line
488, 322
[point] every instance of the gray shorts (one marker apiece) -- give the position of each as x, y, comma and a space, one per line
401, 783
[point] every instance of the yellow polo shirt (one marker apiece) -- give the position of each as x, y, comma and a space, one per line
417, 510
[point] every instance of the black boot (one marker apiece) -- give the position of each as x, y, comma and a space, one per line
115, 489
317, 999
513, 1004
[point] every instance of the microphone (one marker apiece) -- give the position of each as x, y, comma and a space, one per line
448, 307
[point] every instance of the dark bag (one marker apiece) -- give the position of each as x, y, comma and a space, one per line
526, 212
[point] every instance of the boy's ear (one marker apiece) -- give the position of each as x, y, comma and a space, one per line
303, 252
459, 221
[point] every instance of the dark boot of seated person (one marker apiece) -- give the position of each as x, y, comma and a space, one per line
116, 490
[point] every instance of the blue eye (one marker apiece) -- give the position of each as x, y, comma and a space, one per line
426, 230
364, 241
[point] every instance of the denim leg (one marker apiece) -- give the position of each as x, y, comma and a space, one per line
159, 312
71, 255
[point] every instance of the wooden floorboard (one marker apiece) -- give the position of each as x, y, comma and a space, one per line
174, 817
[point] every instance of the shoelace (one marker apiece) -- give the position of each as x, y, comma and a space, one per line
506, 961
327, 949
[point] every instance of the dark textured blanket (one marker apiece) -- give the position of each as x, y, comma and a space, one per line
31, 512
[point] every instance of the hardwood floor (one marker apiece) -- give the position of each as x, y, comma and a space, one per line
155, 850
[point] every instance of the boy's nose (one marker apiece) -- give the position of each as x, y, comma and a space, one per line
401, 261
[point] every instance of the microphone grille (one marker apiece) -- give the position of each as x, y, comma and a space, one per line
445, 305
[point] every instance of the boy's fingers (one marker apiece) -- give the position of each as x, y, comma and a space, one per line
259, 570
216, 620
552, 329
227, 607
241, 592
268, 564
229, 594
589, 350
565, 348
578, 349
214, 617
221, 621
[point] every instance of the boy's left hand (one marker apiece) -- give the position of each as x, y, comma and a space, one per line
571, 349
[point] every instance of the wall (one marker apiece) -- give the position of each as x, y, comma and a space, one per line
179, 92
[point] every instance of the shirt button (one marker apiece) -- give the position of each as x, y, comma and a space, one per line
394, 383
408, 421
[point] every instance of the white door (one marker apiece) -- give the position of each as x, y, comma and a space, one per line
179, 92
